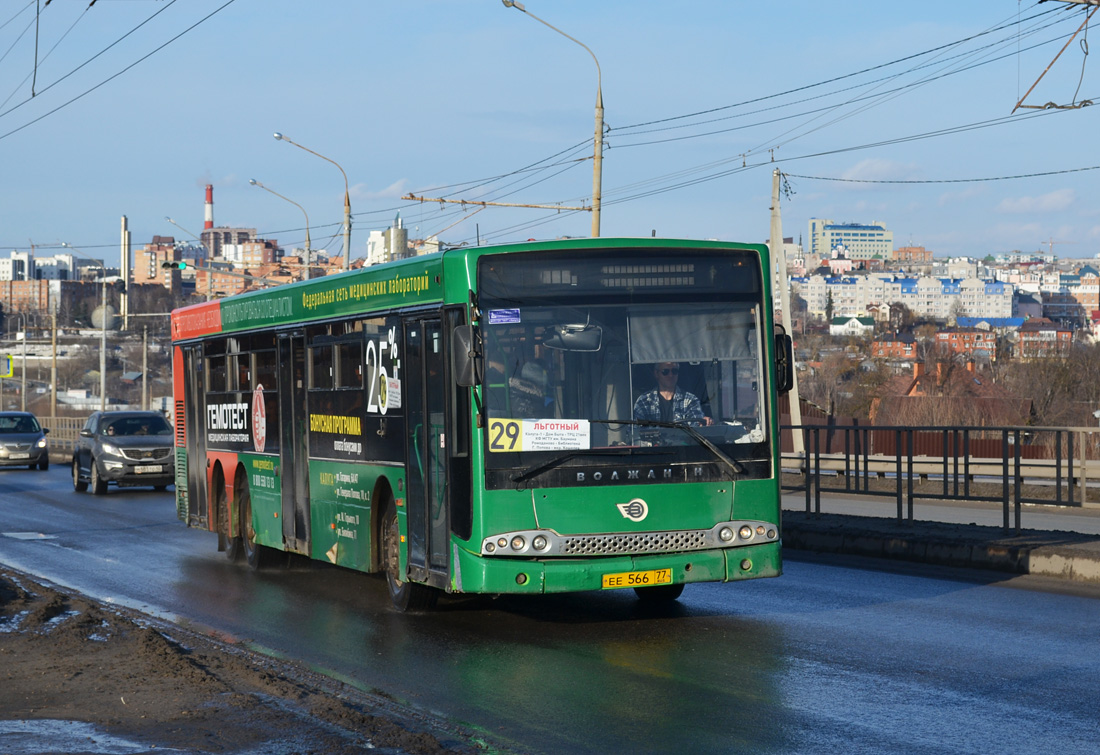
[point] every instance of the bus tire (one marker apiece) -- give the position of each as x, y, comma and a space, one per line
406, 596
659, 593
99, 485
78, 484
233, 547
258, 556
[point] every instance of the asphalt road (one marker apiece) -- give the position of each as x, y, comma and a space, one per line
838, 655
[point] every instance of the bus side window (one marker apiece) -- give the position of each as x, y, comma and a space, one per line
264, 370
320, 367
349, 364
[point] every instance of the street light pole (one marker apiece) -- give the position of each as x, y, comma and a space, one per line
347, 197
254, 182
103, 340
23, 388
53, 366
597, 150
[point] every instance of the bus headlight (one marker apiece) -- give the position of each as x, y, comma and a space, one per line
518, 543
539, 543
726, 534
745, 532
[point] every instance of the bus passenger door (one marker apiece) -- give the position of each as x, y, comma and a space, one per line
194, 419
293, 442
425, 495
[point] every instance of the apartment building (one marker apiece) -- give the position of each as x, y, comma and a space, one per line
895, 346
861, 242
1042, 337
969, 341
938, 298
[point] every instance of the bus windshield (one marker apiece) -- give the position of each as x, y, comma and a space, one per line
655, 355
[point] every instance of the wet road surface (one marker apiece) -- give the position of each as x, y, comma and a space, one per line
838, 655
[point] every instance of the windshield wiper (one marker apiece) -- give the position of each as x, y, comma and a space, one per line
695, 435
557, 461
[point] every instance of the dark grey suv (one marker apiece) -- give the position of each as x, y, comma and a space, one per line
125, 448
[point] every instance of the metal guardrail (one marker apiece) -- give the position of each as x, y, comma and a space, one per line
1008, 465
63, 434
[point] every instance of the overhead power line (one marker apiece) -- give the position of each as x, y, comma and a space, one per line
942, 180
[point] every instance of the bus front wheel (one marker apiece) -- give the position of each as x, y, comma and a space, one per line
406, 596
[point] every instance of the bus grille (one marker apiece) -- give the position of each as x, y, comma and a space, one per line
643, 542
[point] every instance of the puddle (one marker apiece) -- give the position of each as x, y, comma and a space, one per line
42, 736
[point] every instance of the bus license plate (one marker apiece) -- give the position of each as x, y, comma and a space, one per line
147, 468
637, 579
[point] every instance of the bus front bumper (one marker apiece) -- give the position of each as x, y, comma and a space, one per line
477, 574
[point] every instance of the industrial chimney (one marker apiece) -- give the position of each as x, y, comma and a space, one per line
209, 208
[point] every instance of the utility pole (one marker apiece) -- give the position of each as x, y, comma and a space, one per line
53, 366
779, 266
145, 367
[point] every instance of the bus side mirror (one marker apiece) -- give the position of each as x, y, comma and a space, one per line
784, 363
465, 361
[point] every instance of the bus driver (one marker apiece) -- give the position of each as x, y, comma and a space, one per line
667, 402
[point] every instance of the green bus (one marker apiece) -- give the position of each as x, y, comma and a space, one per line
580, 414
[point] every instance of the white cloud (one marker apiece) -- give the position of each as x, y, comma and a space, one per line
881, 170
952, 197
396, 190
1055, 201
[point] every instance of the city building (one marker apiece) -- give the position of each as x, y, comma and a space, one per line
924, 296
969, 341
214, 239
912, 255
148, 263
1041, 337
390, 244
862, 242
895, 346
851, 326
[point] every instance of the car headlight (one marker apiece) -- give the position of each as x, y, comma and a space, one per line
110, 448
42, 442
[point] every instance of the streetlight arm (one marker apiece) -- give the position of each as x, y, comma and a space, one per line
347, 199
597, 141
599, 73
254, 182
282, 138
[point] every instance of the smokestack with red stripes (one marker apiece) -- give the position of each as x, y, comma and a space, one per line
209, 208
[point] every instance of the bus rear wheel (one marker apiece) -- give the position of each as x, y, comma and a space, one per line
406, 596
659, 593
232, 546
258, 556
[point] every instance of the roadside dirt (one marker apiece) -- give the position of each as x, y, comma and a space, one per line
77, 676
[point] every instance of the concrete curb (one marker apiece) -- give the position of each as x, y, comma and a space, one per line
1066, 555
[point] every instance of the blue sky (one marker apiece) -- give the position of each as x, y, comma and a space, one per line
473, 100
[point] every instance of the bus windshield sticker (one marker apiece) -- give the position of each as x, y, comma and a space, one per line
503, 316
513, 435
